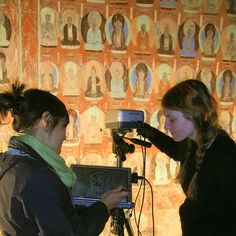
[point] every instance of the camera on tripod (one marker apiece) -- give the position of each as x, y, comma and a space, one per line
121, 122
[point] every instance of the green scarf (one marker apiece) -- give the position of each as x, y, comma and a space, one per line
65, 173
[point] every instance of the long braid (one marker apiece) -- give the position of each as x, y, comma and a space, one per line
183, 169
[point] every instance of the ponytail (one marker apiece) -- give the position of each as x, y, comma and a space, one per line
10, 99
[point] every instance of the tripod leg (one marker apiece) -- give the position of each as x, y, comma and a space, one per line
128, 225
117, 224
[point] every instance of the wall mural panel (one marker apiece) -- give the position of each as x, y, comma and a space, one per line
106, 54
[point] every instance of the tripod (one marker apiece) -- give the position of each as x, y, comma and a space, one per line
119, 218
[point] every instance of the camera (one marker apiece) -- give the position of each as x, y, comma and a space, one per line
124, 119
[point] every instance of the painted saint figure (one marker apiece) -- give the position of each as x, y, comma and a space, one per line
4, 42
164, 84
143, 39
230, 52
71, 85
70, 33
225, 121
3, 71
188, 44
208, 78
94, 131
166, 42
49, 77
48, 34
94, 34
93, 84
140, 87
72, 129
209, 43
118, 34
116, 80
227, 79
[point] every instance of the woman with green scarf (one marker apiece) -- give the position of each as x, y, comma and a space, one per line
34, 180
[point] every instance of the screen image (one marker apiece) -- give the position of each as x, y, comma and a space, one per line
93, 181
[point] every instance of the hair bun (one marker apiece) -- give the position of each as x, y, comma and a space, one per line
17, 97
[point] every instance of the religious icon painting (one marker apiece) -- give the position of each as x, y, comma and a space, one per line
116, 78
4, 78
228, 45
140, 80
92, 125
92, 30
49, 77
49, 27
166, 37
5, 30
93, 82
164, 75
185, 71
71, 83
117, 30
226, 86
188, 38
209, 41
208, 77
142, 34
225, 120
69, 29
73, 127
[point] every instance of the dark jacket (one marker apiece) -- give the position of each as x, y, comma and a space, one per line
214, 211
34, 201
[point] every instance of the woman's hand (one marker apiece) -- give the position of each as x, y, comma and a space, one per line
145, 131
112, 198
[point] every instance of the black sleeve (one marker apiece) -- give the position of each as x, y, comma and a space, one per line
94, 217
45, 204
166, 144
226, 179
226, 172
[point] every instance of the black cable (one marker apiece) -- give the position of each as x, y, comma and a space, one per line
140, 187
144, 173
152, 200
134, 208
143, 179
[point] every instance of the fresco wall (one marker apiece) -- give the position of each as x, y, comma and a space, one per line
111, 54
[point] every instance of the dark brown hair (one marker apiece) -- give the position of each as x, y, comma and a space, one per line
28, 105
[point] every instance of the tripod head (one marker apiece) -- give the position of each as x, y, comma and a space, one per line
120, 147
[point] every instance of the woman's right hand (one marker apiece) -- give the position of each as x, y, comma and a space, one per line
112, 198
145, 131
